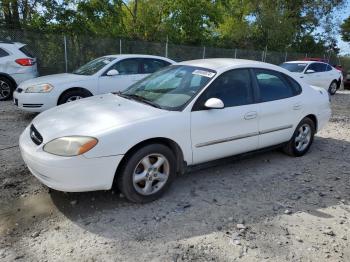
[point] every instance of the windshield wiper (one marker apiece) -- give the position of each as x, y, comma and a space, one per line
139, 98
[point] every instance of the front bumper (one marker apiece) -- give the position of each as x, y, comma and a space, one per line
69, 174
33, 102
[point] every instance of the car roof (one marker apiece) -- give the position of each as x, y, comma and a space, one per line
9, 43
220, 64
305, 62
120, 56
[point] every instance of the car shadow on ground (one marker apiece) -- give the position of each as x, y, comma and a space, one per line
253, 188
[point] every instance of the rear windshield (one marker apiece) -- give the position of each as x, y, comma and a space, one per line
294, 67
25, 50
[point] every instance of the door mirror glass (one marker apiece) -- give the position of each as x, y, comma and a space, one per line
112, 72
214, 103
309, 71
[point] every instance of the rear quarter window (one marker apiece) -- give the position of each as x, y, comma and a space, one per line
3, 53
294, 84
26, 51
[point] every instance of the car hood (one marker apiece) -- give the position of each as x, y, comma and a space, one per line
55, 79
91, 116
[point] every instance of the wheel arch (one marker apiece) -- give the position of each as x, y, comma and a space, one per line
73, 89
314, 119
174, 147
9, 78
338, 82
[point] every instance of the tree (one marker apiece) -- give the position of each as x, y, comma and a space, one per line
345, 30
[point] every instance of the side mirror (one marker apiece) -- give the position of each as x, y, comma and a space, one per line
214, 103
309, 71
112, 72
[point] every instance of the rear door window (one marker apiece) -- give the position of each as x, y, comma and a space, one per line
273, 85
151, 65
129, 66
317, 67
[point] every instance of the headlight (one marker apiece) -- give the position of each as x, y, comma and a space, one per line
70, 145
41, 88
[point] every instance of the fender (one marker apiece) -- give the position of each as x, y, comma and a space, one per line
10, 78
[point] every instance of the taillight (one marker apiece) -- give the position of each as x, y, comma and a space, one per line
25, 61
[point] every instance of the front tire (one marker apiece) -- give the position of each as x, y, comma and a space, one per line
72, 95
6, 89
147, 173
302, 138
333, 87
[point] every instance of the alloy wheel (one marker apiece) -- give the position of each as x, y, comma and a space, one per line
151, 174
333, 88
73, 98
303, 138
5, 90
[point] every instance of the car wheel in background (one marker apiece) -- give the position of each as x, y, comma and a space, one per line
333, 87
6, 89
302, 138
72, 95
147, 173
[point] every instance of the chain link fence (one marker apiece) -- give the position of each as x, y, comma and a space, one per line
58, 53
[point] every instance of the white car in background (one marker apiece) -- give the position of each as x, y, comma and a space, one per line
316, 73
17, 64
103, 75
185, 114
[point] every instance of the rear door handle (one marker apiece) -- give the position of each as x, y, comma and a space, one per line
250, 115
297, 106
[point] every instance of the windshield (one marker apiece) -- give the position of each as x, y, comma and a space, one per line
294, 67
93, 66
171, 88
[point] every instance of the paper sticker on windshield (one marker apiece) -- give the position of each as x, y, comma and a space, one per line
203, 73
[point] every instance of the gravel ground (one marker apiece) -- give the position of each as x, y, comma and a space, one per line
265, 207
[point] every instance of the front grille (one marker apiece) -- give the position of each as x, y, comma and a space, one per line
35, 135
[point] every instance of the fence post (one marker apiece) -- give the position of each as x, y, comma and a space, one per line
203, 52
235, 53
120, 46
285, 57
166, 47
262, 56
65, 53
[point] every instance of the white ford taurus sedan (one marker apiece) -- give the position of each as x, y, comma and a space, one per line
185, 114
100, 76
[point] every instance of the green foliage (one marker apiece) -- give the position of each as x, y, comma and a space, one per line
280, 25
345, 30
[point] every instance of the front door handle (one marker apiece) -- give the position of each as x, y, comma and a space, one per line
250, 115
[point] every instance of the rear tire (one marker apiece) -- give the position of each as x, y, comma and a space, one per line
6, 88
302, 138
333, 87
147, 174
72, 95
